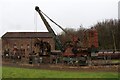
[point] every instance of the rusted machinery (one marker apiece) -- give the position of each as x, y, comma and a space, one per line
71, 50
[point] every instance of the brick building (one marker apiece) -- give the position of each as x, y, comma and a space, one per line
25, 41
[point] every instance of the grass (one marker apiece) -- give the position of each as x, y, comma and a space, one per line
11, 72
115, 61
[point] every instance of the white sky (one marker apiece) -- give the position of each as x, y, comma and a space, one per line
20, 15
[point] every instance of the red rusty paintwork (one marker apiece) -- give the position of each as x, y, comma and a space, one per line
93, 38
90, 38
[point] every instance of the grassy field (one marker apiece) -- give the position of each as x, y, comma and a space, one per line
11, 72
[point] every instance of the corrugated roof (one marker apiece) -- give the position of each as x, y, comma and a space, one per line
27, 35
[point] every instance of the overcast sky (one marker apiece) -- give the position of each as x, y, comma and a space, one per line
20, 15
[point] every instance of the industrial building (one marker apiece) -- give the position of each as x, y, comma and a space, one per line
23, 43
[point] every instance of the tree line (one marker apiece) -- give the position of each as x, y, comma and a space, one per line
108, 34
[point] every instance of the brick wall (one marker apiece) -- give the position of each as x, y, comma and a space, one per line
25, 43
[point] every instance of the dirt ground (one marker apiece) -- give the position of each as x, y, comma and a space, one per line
63, 67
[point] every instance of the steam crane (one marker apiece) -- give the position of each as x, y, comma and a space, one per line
55, 37
71, 50
68, 50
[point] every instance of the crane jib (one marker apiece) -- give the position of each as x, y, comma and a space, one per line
57, 40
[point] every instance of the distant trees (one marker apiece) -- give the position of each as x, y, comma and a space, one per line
108, 34
66, 37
